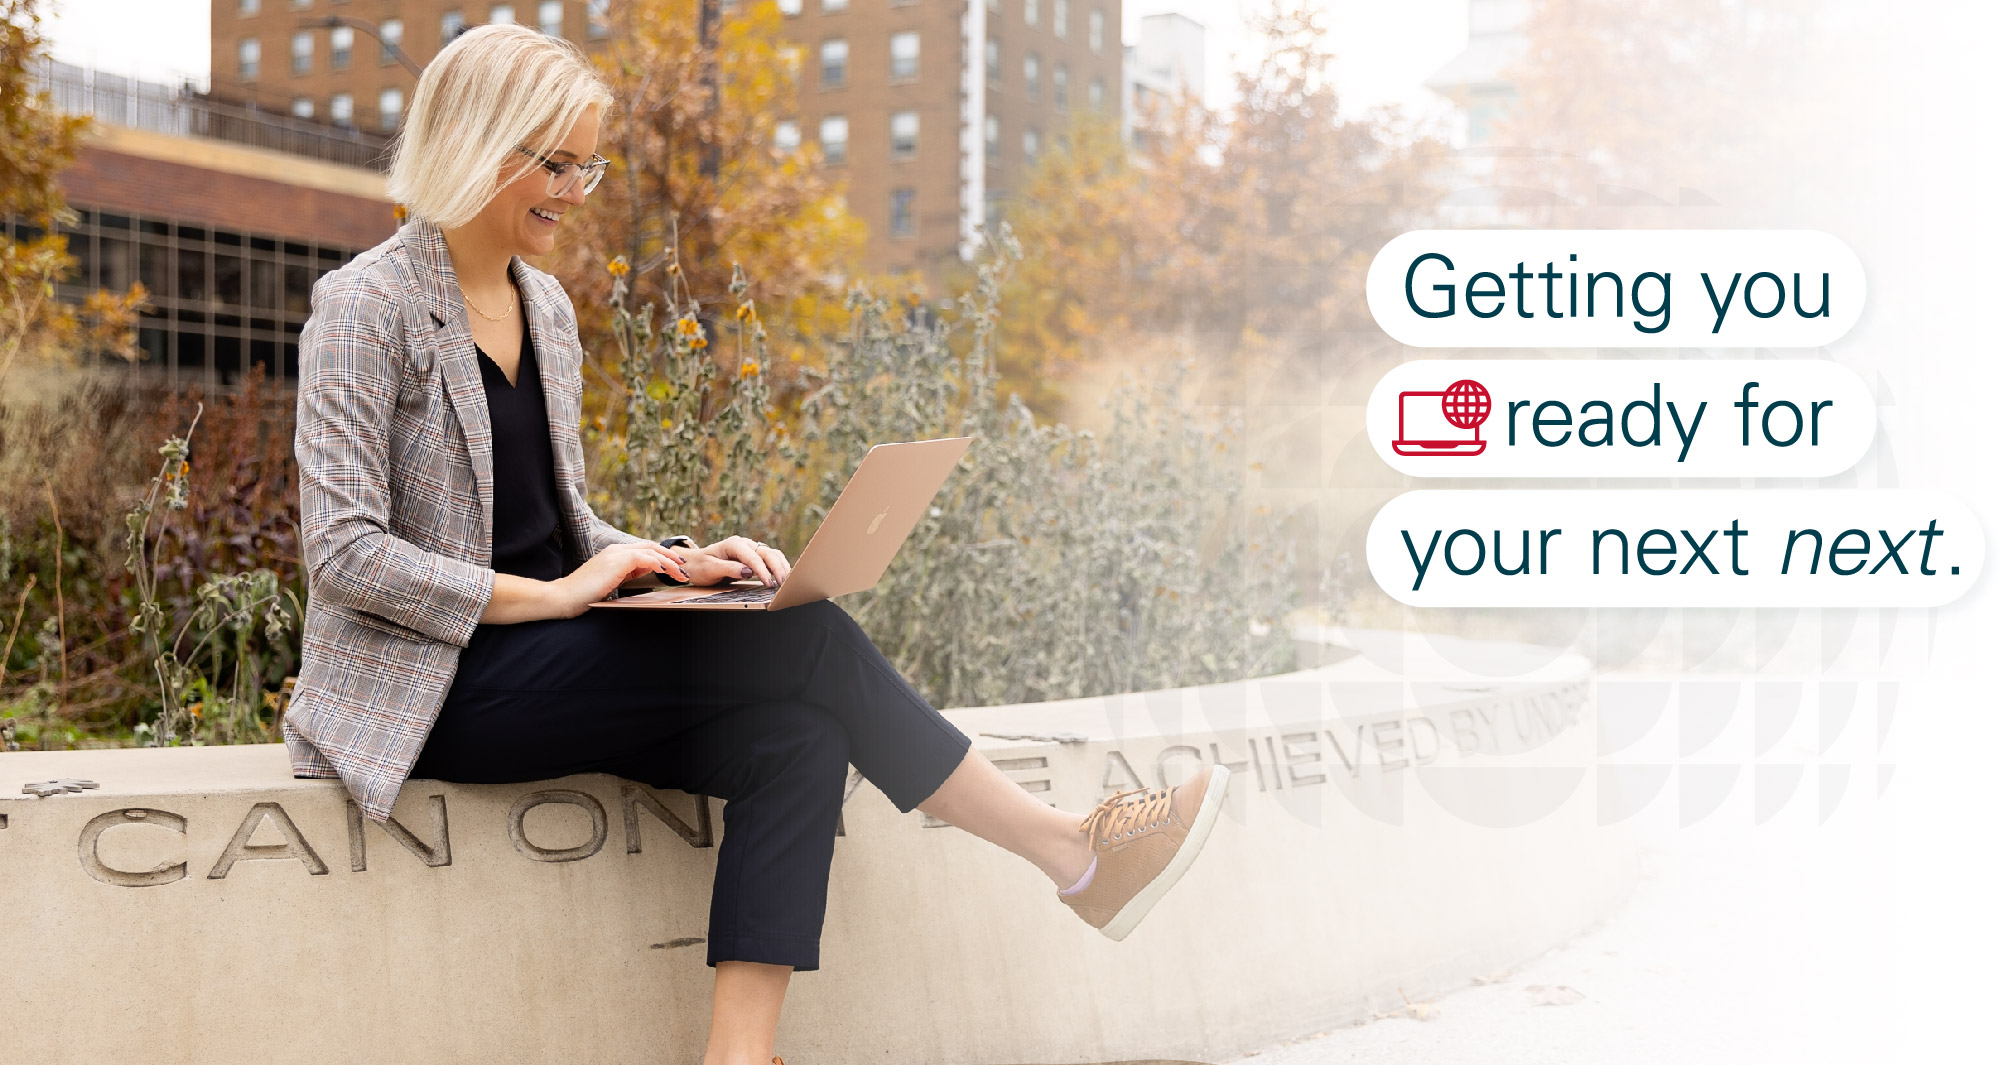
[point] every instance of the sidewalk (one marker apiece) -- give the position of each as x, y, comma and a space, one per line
1739, 945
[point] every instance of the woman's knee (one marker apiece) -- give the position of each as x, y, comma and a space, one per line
821, 613
800, 737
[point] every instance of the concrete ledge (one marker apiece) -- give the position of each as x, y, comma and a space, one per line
1391, 826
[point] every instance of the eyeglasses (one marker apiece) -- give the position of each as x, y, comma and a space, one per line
565, 176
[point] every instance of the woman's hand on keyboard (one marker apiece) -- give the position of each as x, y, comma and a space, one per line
574, 593
737, 558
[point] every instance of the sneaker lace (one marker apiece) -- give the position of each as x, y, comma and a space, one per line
1128, 813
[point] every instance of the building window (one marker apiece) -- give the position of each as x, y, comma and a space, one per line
1060, 18
903, 212
301, 5
793, 58
1031, 11
992, 129
990, 211
903, 134
390, 106
246, 59
830, 6
1094, 94
221, 302
341, 109
597, 18
549, 18
500, 15
302, 52
1032, 75
1030, 145
392, 38
834, 139
1094, 29
994, 60
1060, 86
833, 63
994, 6
785, 136
340, 46
904, 55
450, 26
246, 7
302, 107
789, 8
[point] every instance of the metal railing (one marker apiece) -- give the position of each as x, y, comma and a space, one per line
186, 111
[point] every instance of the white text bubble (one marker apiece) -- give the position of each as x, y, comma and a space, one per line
1621, 418
1658, 288
1538, 548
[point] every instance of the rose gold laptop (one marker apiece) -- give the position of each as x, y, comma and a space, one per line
854, 544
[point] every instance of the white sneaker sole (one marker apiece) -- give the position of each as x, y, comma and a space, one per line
1136, 907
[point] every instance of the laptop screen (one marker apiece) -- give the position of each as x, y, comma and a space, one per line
1422, 416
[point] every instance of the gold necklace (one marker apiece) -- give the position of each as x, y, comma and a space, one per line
501, 317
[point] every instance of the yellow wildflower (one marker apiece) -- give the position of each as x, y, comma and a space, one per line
698, 342
749, 369
617, 267
688, 326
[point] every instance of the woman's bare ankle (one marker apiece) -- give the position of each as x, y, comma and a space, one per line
1073, 856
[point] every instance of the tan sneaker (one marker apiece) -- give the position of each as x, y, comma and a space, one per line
1143, 841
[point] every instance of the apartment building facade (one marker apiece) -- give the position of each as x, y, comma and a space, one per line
931, 111
227, 216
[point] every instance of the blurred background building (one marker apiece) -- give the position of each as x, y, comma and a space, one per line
227, 214
1165, 64
932, 110
1476, 80
228, 200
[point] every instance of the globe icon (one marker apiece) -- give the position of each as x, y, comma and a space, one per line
1466, 404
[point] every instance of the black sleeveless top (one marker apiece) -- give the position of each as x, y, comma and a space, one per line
528, 538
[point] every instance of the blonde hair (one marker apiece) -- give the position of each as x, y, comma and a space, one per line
493, 88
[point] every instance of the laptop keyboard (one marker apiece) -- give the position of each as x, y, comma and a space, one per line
736, 595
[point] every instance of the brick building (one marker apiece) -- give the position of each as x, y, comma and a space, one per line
227, 216
931, 110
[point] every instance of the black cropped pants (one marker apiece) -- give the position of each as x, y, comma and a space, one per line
762, 709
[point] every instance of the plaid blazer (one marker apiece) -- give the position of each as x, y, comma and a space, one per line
396, 501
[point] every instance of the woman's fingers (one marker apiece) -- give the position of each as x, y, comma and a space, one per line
653, 558
659, 559
776, 561
745, 550
767, 565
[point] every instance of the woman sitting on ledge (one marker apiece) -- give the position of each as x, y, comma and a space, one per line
451, 558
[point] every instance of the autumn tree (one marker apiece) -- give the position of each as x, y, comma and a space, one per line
1078, 212
36, 143
1252, 227
697, 187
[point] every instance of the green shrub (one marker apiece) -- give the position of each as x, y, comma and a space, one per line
1055, 562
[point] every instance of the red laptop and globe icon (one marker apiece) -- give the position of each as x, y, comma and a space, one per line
1443, 423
